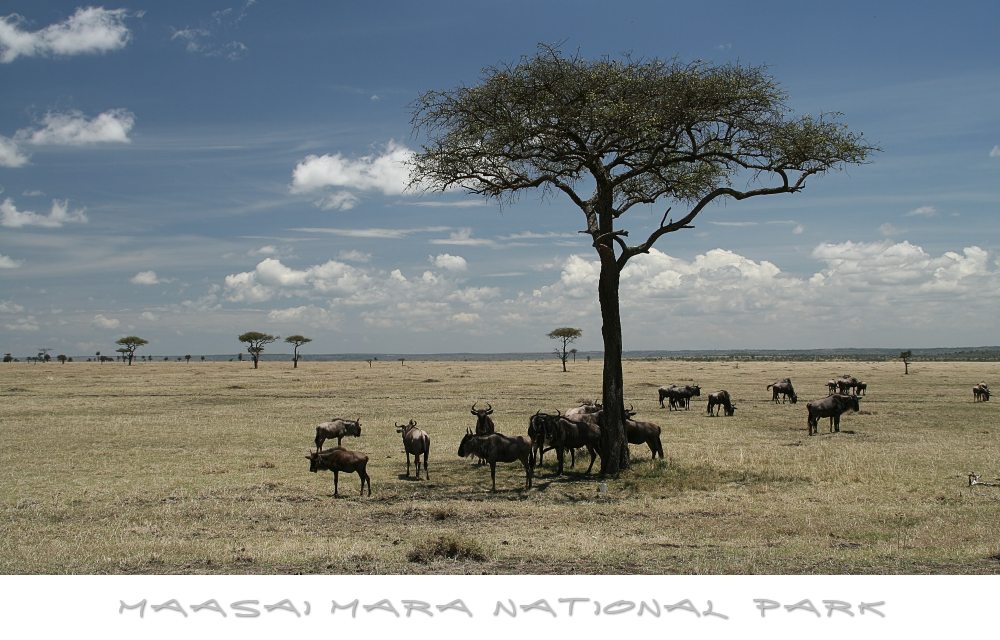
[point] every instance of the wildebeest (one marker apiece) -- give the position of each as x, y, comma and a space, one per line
496, 447
484, 423
860, 388
640, 432
831, 387
340, 459
337, 428
830, 407
720, 398
679, 396
980, 392
846, 383
784, 389
416, 442
540, 434
585, 407
562, 434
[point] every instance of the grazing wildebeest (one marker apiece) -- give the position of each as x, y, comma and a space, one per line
640, 432
830, 407
846, 383
720, 398
340, 459
860, 388
337, 428
784, 389
497, 447
980, 392
417, 442
831, 387
679, 396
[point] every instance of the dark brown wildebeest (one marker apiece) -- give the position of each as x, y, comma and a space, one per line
679, 396
497, 447
784, 389
337, 428
416, 442
831, 387
340, 459
846, 383
640, 432
540, 435
860, 388
563, 434
484, 423
720, 398
830, 407
980, 392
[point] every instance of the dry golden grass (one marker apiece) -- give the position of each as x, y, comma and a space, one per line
199, 468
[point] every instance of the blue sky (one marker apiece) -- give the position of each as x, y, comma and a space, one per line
191, 170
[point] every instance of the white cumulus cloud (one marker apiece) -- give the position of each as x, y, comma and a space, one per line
6, 262
59, 214
449, 262
89, 30
146, 278
386, 172
10, 155
102, 321
74, 129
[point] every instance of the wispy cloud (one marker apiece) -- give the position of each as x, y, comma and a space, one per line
145, 278
90, 30
463, 238
212, 38
386, 172
995, 151
924, 212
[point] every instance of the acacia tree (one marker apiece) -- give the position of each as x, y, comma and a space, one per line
905, 357
567, 335
128, 346
255, 344
611, 135
298, 341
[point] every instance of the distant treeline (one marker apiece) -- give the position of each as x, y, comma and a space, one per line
962, 354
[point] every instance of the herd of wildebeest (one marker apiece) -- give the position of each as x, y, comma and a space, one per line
577, 428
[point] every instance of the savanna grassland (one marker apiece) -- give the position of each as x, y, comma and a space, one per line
200, 468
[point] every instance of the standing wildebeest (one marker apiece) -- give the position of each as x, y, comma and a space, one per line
831, 387
564, 434
417, 442
484, 423
540, 434
497, 447
720, 398
783, 388
830, 407
639, 432
340, 459
337, 428
980, 392
860, 388
679, 396
846, 383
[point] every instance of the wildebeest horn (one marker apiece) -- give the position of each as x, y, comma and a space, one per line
631, 407
473, 407
489, 408
413, 423
558, 412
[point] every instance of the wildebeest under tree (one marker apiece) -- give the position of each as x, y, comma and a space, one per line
632, 133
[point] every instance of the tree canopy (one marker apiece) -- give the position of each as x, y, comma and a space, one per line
255, 343
297, 341
128, 345
566, 335
613, 134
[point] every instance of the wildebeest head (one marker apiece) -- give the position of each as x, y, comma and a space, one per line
403, 428
353, 428
479, 413
466, 448
313, 459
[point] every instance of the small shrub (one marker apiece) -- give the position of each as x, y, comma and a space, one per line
447, 546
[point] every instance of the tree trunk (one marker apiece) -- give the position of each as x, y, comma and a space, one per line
614, 451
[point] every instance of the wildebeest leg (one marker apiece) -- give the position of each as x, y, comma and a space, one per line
427, 452
493, 473
560, 456
593, 456
335, 482
528, 471
408, 466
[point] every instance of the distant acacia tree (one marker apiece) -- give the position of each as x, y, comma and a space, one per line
255, 343
297, 341
566, 335
905, 357
8, 358
128, 346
